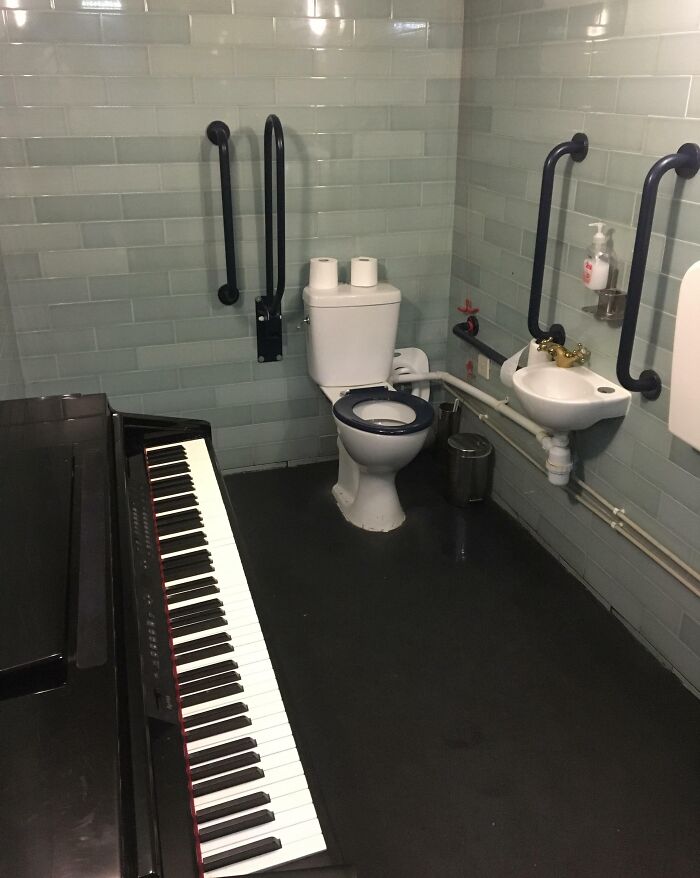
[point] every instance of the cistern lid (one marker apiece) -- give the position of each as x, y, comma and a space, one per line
345, 296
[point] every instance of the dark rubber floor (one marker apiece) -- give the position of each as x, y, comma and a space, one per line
470, 709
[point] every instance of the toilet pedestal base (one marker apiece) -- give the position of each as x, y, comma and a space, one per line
369, 500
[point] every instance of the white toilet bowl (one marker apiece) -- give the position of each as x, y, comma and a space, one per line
379, 432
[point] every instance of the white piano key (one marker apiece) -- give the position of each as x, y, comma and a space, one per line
283, 820
286, 771
298, 841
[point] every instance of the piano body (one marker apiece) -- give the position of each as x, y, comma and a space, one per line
143, 728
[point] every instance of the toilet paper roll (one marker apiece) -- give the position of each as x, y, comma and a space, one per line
363, 271
510, 366
323, 273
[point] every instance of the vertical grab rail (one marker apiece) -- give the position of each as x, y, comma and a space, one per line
686, 163
577, 148
219, 133
268, 308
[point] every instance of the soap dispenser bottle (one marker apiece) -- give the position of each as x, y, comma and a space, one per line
598, 262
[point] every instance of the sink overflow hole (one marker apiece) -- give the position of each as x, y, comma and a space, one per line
606, 390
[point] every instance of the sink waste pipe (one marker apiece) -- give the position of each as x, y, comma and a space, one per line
558, 464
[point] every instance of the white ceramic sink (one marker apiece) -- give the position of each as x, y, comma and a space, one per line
568, 399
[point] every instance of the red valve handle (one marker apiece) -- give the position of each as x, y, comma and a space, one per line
467, 307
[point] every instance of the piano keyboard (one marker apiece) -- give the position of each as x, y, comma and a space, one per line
251, 801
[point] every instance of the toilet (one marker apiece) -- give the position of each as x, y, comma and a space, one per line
351, 333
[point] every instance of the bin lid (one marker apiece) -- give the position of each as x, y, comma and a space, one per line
469, 445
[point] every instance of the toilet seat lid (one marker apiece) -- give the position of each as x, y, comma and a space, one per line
344, 410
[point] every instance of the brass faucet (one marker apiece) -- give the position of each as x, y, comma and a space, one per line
561, 355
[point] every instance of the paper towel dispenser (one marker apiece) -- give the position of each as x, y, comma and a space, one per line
684, 414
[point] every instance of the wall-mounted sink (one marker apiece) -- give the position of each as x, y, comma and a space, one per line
568, 399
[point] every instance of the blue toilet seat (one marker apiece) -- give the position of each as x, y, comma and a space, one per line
344, 410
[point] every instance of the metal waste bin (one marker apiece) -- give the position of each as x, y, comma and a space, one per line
470, 458
447, 425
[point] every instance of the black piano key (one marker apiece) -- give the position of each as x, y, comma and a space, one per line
190, 594
202, 642
183, 517
227, 781
187, 586
208, 671
211, 769
178, 468
166, 526
207, 624
241, 854
195, 616
178, 485
185, 541
209, 682
217, 713
162, 455
183, 560
194, 569
200, 654
238, 824
211, 694
181, 502
222, 750
228, 725
183, 612
233, 806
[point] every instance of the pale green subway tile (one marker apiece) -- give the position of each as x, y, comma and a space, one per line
476, 118
216, 375
160, 150
33, 238
187, 5
536, 124
419, 218
19, 266
39, 368
503, 235
53, 27
426, 118
291, 409
352, 8
395, 244
122, 234
78, 315
629, 56
82, 5
426, 62
168, 356
232, 30
650, 17
352, 119
486, 148
7, 91
315, 90
233, 350
596, 94
348, 62
106, 60
27, 58
351, 222
31, 121
143, 381
197, 280
537, 92
439, 192
128, 286
251, 391
67, 263
149, 90
666, 135
259, 61
70, 150
169, 257
117, 178
690, 634
390, 91
614, 131
56, 342
412, 34
111, 120
518, 61
193, 60
679, 520
444, 36
37, 181
60, 90
63, 385
490, 204
179, 400
567, 59
545, 26
319, 146
441, 143
31, 317
342, 171
127, 402
437, 241
170, 307
425, 169
169, 204
494, 92
66, 208
694, 101
442, 91
234, 459
388, 143
96, 362
48, 291
17, 210
273, 7
130, 335
238, 91
196, 230
679, 53
12, 152
515, 5
653, 96
681, 216
127, 28
186, 120
204, 328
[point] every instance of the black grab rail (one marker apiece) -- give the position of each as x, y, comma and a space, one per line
268, 308
577, 148
686, 163
219, 133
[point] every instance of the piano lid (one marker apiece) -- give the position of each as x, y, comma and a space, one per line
35, 519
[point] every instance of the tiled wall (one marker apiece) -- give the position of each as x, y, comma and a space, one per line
11, 380
628, 74
111, 234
